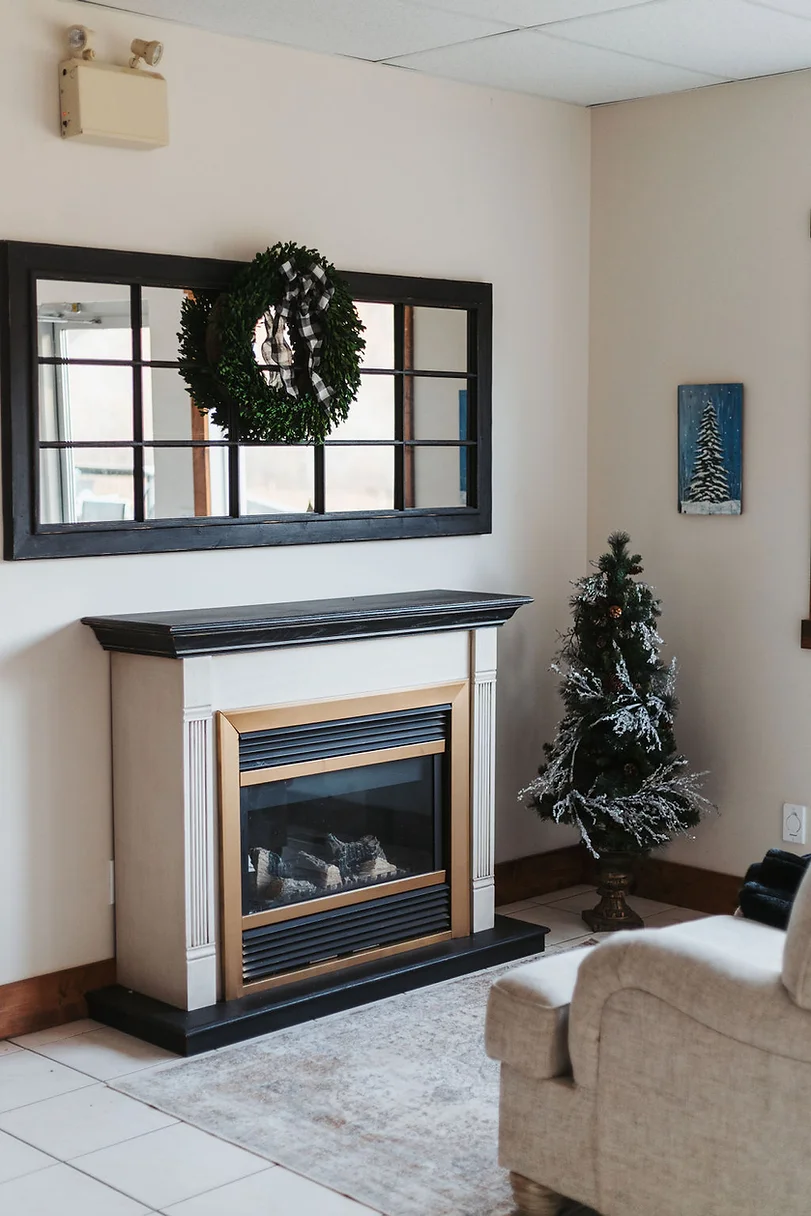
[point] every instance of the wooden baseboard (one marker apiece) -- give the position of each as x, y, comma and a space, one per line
688, 886
666, 881
50, 1000
539, 874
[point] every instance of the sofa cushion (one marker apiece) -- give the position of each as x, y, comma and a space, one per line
797, 954
528, 1015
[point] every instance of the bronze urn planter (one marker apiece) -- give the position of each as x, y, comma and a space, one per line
615, 875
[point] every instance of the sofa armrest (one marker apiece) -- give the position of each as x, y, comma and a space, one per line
528, 1015
723, 972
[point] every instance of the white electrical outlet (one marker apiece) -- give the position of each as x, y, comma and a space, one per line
794, 823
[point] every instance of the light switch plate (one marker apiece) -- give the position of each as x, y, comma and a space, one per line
794, 823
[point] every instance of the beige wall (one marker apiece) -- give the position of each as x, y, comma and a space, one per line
384, 171
701, 271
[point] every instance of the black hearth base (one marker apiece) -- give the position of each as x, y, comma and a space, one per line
232, 1021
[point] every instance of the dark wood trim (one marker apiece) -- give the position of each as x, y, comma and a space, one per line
669, 882
21, 263
805, 636
688, 886
175, 635
51, 1000
539, 874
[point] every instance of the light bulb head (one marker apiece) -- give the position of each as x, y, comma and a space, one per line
78, 36
150, 52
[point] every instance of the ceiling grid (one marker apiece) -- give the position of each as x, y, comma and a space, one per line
583, 51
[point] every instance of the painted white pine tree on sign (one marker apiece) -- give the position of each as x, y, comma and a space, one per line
709, 482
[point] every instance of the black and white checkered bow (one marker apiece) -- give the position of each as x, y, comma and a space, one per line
306, 297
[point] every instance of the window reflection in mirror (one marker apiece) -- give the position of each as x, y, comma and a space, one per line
84, 401
86, 485
378, 334
439, 408
187, 482
371, 414
276, 480
440, 477
439, 342
179, 483
359, 479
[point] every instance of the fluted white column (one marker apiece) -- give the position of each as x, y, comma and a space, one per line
200, 832
483, 672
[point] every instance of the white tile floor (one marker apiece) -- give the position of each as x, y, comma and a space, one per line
560, 912
70, 1144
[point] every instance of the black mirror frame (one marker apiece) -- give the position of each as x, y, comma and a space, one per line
22, 264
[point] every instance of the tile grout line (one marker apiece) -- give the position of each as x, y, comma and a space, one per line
73, 1161
68, 1165
15, 1039
102, 1080
125, 1140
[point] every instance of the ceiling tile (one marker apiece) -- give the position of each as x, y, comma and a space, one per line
800, 8
365, 29
728, 38
528, 12
531, 62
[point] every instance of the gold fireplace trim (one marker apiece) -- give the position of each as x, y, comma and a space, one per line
332, 764
339, 964
234, 723
360, 896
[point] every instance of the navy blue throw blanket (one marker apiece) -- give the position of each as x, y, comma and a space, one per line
770, 886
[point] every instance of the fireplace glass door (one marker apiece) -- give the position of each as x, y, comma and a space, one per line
363, 822
344, 839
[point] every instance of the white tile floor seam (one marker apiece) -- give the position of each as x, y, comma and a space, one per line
288, 1186
170, 1165
73, 1124
55, 1034
18, 1158
101, 1053
79, 1146
62, 1189
26, 1078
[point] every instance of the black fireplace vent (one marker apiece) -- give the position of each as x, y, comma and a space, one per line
316, 740
292, 944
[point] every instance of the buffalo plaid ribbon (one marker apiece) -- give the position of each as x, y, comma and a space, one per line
307, 296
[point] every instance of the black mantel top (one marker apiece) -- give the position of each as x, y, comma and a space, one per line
177, 635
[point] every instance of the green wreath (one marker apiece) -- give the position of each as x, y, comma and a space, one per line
314, 335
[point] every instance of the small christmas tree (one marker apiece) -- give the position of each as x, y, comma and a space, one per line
709, 481
613, 770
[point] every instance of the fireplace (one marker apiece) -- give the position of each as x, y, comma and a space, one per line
344, 833
304, 809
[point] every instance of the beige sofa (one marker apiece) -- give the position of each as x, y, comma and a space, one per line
662, 1073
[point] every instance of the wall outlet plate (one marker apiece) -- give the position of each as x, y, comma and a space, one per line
794, 817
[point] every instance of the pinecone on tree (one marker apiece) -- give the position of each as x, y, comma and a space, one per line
613, 769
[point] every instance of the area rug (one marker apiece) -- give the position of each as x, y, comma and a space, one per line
394, 1104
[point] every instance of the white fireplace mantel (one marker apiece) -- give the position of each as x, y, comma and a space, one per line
172, 672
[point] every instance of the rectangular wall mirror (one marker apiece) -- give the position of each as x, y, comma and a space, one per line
105, 451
